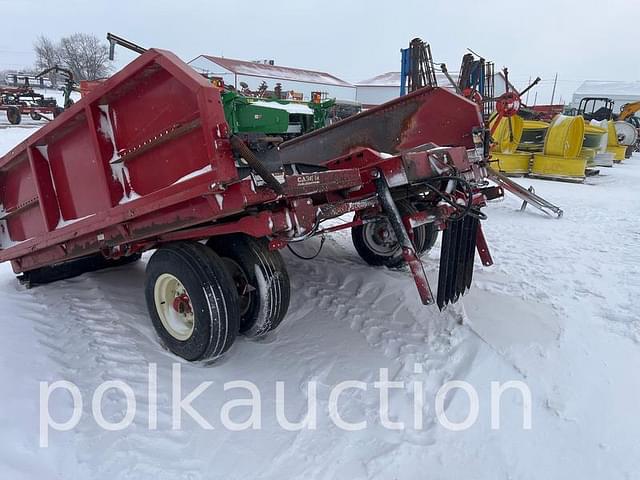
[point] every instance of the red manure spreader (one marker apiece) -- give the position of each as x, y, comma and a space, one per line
147, 161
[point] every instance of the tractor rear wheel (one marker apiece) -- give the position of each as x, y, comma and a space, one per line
14, 116
261, 280
192, 301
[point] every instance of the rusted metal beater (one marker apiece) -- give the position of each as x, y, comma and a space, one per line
507, 105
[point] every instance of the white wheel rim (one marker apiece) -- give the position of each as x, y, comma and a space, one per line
174, 307
381, 239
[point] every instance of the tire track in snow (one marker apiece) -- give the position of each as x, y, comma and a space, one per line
95, 335
380, 304
384, 307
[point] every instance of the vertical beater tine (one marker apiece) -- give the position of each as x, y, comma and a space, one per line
452, 261
444, 263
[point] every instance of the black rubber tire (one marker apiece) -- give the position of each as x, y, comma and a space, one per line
57, 111
360, 244
421, 235
14, 116
431, 235
265, 304
212, 294
35, 116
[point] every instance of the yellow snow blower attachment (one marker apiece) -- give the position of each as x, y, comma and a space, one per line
533, 135
507, 137
561, 158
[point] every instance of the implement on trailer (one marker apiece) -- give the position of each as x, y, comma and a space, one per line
147, 161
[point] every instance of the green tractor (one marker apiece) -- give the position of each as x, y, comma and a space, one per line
265, 122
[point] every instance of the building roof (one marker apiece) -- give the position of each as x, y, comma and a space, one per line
241, 67
609, 88
392, 79
389, 79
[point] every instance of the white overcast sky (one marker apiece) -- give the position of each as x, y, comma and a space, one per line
354, 39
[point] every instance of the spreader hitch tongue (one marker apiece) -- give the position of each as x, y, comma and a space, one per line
408, 250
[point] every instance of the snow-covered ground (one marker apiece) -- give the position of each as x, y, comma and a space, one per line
556, 311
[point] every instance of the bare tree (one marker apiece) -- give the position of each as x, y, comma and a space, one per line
47, 55
85, 55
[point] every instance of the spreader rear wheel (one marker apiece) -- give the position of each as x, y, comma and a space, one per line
376, 242
35, 116
191, 300
261, 280
14, 116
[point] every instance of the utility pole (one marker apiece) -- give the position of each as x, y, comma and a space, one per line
535, 99
553, 93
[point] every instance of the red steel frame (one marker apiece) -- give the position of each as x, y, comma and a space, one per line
64, 173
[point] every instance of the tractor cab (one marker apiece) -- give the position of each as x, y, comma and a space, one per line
596, 108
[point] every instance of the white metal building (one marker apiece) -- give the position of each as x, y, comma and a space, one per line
292, 79
619, 92
379, 89
385, 87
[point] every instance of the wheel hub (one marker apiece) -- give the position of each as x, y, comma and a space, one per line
182, 304
380, 238
174, 307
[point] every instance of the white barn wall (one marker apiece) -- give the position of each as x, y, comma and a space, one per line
376, 95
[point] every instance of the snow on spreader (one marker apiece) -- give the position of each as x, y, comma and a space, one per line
147, 161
